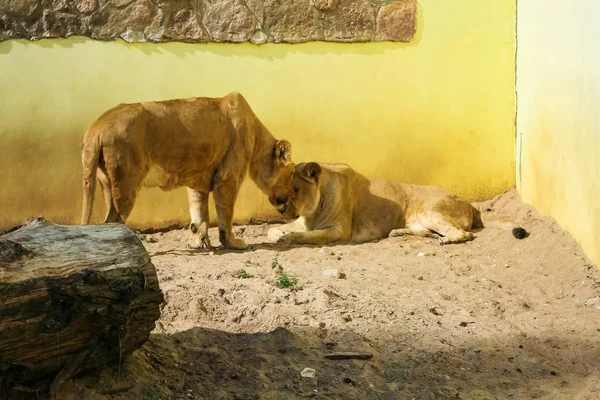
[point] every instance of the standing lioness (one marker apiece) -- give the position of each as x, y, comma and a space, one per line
205, 144
335, 203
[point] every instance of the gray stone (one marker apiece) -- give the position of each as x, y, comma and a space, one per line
133, 36
259, 37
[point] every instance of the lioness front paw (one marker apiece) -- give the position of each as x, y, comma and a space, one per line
236, 244
397, 233
199, 242
286, 238
274, 234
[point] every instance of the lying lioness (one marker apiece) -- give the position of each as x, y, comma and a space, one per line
332, 202
205, 144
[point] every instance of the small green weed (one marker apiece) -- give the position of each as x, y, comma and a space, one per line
242, 274
276, 266
283, 280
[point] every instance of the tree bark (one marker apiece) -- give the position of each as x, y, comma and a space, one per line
71, 298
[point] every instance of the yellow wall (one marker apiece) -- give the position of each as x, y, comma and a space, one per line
558, 88
439, 110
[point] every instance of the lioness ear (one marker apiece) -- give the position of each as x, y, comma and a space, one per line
312, 172
283, 151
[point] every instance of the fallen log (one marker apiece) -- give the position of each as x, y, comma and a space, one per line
72, 298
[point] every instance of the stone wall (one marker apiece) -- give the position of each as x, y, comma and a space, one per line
199, 21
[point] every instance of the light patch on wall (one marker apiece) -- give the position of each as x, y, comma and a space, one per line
558, 86
438, 110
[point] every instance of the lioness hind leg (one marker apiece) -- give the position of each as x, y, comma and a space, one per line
124, 193
123, 204
126, 172
199, 213
449, 233
225, 194
456, 236
110, 213
413, 231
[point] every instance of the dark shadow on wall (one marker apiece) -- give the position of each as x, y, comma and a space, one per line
213, 364
268, 51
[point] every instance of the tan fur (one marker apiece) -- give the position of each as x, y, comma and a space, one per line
205, 144
335, 203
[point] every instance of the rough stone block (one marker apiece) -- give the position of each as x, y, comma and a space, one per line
397, 21
291, 21
348, 21
256, 21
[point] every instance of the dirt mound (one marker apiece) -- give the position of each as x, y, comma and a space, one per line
493, 318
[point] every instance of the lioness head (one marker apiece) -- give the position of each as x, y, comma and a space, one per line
280, 182
306, 196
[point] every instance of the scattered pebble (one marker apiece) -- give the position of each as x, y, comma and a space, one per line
334, 273
435, 312
422, 254
592, 303
300, 301
308, 373
316, 324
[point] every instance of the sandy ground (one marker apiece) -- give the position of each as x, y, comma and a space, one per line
493, 318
